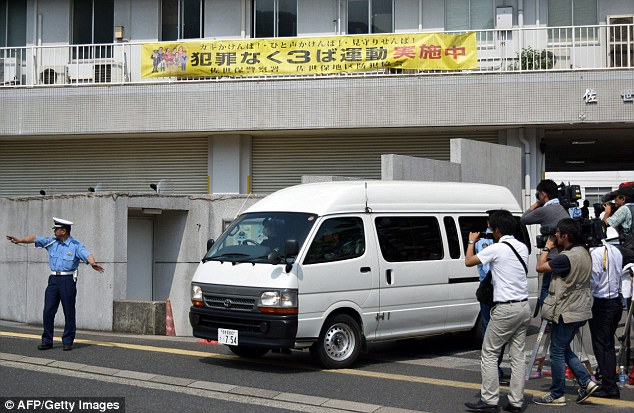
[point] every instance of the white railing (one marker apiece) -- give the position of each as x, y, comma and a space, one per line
599, 47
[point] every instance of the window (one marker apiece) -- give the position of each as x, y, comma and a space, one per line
93, 21
12, 23
595, 193
572, 13
469, 14
452, 237
409, 238
370, 16
479, 224
275, 18
471, 224
337, 239
181, 19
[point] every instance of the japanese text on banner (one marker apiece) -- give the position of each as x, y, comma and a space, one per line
309, 55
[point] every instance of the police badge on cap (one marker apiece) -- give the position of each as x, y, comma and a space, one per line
61, 223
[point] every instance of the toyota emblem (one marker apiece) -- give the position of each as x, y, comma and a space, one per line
227, 303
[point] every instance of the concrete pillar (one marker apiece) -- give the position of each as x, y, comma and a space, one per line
229, 164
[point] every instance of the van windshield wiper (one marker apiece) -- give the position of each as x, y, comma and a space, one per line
222, 257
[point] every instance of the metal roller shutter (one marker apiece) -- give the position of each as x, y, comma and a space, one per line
278, 162
119, 164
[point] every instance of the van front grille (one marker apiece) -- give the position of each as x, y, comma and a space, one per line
229, 303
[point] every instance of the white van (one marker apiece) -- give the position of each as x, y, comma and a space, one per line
333, 266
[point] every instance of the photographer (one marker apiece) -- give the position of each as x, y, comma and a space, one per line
510, 315
619, 215
605, 283
547, 212
568, 306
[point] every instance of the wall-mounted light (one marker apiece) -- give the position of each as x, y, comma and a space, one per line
574, 162
96, 188
160, 186
584, 142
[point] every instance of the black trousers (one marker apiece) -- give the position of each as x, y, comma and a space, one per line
606, 314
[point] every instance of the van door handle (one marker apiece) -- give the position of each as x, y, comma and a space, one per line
388, 277
366, 269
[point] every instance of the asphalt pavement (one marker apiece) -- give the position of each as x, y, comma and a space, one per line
158, 373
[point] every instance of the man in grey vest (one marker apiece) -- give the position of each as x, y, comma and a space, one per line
568, 306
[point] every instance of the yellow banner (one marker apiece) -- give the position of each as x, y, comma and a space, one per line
309, 55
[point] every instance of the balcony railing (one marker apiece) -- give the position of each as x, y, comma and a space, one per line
600, 47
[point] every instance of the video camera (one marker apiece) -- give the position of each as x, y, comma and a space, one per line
568, 195
593, 231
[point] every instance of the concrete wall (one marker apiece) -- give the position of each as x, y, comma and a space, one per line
409, 168
101, 224
470, 161
468, 100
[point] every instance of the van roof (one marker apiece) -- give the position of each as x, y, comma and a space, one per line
326, 198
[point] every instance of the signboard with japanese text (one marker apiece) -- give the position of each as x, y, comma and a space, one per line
309, 55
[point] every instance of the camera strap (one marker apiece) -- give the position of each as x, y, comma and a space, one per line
518, 256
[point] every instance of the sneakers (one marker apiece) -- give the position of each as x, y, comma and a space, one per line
586, 391
548, 400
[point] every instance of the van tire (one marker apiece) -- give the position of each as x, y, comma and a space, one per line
339, 342
248, 351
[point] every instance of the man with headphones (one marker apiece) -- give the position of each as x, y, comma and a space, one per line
605, 283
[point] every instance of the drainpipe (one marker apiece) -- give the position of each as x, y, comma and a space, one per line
243, 20
520, 13
527, 167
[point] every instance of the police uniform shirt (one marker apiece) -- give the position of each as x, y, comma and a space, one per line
481, 244
509, 279
63, 256
606, 272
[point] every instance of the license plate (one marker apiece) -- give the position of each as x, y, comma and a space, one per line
228, 337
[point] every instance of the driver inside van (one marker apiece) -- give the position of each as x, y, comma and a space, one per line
271, 229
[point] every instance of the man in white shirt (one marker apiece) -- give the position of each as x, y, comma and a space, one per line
510, 315
607, 263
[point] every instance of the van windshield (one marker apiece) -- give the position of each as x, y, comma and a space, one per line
252, 237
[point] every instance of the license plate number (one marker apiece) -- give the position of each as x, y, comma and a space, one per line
228, 337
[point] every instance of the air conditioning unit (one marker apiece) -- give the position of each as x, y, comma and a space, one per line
80, 72
11, 70
108, 73
55, 75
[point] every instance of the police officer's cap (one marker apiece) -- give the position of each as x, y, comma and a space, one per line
61, 223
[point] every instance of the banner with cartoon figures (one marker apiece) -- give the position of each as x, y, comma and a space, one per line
309, 55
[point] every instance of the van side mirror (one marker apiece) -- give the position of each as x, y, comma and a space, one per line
291, 249
210, 243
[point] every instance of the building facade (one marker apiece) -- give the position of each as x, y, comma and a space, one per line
553, 78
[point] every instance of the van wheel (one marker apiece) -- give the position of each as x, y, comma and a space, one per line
339, 343
249, 352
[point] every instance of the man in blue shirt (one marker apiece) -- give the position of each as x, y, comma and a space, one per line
64, 255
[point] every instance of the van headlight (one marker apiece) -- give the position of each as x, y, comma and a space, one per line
278, 302
197, 296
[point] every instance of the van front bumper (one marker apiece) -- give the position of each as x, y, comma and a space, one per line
254, 329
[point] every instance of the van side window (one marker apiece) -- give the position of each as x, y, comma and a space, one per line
409, 238
452, 237
474, 224
471, 224
337, 239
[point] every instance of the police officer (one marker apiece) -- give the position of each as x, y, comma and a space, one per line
64, 255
